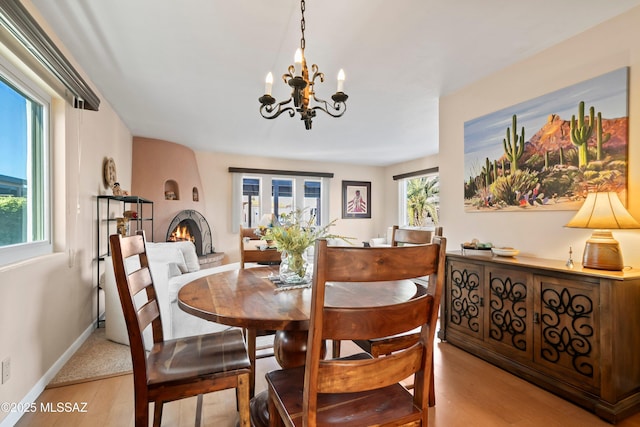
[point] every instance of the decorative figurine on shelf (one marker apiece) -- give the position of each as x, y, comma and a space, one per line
117, 191
130, 214
122, 225
570, 260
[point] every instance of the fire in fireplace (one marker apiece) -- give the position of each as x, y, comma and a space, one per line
192, 226
182, 233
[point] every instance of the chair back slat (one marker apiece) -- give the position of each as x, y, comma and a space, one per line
139, 280
392, 264
377, 322
380, 264
249, 232
413, 236
352, 376
147, 313
131, 247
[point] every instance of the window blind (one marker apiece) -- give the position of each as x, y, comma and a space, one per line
22, 35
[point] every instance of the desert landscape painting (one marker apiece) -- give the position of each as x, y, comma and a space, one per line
549, 152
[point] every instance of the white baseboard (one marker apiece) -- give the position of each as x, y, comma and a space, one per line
33, 394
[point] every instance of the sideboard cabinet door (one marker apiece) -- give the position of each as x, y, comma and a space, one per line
509, 312
465, 298
566, 333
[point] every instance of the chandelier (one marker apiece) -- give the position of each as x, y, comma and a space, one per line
302, 89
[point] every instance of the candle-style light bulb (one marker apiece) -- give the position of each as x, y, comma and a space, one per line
268, 83
341, 80
297, 58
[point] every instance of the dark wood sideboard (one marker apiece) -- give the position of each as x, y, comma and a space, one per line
573, 331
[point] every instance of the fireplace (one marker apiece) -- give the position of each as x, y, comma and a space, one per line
191, 225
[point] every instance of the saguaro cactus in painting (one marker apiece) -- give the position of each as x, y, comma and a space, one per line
514, 144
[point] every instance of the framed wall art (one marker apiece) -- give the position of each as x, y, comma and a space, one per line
549, 152
356, 199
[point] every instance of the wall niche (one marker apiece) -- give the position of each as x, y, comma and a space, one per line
196, 196
171, 190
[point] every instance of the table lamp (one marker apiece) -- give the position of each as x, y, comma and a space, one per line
602, 212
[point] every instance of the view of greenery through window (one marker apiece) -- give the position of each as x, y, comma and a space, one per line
21, 167
422, 199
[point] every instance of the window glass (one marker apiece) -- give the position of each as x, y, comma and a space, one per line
312, 201
24, 213
282, 201
420, 199
250, 202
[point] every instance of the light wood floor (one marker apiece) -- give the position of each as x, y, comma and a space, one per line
469, 392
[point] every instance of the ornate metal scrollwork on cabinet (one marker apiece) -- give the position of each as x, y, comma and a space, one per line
465, 298
508, 311
567, 328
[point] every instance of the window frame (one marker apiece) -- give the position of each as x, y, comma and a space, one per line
28, 88
265, 178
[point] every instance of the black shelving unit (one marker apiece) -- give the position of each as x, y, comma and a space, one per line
105, 226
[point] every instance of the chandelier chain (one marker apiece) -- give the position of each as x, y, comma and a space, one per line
302, 26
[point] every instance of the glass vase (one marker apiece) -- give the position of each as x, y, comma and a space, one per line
295, 268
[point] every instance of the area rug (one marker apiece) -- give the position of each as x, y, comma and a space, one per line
97, 358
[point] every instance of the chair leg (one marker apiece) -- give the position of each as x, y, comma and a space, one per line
142, 412
251, 349
157, 413
199, 410
242, 393
432, 388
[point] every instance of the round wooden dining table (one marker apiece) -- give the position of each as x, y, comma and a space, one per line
249, 298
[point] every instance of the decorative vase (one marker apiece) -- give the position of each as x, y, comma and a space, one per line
295, 268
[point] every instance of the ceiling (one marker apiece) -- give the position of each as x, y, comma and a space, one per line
191, 71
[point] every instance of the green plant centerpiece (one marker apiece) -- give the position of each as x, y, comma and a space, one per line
293, 235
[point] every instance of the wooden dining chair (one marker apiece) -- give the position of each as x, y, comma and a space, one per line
252, 254
408, 236
387, 345
178, 368
360, 390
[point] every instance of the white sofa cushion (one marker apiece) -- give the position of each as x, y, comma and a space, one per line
188, 250
174, 269
165, 253
378, 241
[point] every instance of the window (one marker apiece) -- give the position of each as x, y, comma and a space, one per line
24, 166
258, 194
282, 201
419, 199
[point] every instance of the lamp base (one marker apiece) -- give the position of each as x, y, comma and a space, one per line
602, 252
